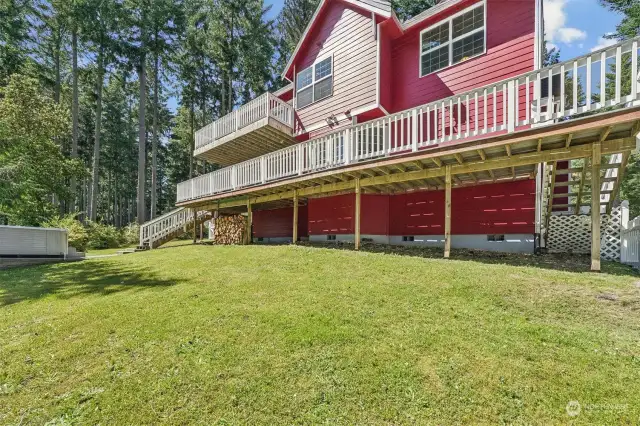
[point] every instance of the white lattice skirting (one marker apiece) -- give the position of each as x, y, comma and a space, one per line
572, 234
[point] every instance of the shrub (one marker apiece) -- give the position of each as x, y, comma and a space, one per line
131, 234
77, 233
103, 236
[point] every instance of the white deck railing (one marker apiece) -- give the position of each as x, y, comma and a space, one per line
630, 243
167, 224
581, 85
266, 105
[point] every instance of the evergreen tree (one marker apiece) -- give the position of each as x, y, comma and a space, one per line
407, 9
629, 27
292, 21
33, 170
14, 36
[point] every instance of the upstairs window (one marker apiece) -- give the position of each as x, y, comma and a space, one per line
457, 39
314, 83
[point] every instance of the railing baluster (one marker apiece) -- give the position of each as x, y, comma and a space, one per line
634, 70
603, 79
618, 74
588, 85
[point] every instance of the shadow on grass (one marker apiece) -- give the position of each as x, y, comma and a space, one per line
67, 280
558, 262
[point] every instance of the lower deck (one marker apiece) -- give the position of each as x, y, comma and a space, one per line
466, 194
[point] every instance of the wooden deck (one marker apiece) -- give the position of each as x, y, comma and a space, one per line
264, 136
481, 161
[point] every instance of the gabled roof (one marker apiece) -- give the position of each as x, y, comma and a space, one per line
432, 11
379, 7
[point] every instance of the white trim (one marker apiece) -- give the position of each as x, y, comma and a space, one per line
313, 83
451, 40
372, 9
440, 7
356, 3
383, 109
284, 89
378, 65
538, 39
31, 228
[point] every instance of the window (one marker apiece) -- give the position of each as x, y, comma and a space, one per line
458, 39
314, 83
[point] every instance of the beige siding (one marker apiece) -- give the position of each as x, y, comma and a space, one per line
347, 34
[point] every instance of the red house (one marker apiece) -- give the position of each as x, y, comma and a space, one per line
442, 130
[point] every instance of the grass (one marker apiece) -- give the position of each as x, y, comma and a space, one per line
108, 251
272, 335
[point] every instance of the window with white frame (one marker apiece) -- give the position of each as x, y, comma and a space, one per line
314, 83
457, 39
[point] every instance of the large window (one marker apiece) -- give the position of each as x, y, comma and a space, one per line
457, 39
314, 83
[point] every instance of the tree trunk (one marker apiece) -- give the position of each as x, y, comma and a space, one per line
74, 114
154, 142
193, 137
95, 176
142, 78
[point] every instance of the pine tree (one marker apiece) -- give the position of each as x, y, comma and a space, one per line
629, 27
14, 36
292, 21
407, 9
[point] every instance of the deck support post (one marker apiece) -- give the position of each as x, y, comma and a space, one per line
249, 221
195, 225
295, 217
212, 224
595, 207
357, 215
447, 213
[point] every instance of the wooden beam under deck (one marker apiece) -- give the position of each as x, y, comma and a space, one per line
357, 214
596, 158
447, 213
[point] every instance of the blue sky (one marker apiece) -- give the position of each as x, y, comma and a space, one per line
577, 27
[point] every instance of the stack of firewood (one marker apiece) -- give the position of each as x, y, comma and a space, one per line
230, 230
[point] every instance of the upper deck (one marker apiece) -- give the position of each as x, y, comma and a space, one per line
261, 126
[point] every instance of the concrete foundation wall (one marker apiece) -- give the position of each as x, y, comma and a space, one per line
513, 243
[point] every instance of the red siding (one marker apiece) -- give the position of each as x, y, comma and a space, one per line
510, 48
331, 215
417, 213
375, 215
346, 32
279, 222
501, 208
386, 70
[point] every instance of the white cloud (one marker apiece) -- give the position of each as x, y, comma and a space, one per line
555, 19
602, 43
569, 35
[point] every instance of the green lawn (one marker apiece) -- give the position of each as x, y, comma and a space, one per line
290, 335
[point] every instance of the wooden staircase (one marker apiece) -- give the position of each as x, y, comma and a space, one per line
575, 186
169, 226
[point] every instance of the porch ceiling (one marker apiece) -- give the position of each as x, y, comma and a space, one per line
262, 137
481, 161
